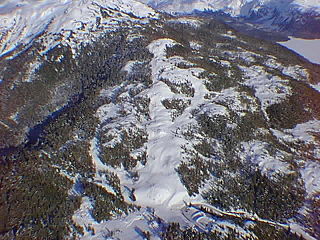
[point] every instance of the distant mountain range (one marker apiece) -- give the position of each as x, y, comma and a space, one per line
285, 16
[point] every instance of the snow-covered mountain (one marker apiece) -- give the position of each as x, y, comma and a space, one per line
177, 6
120, 122
23, 21
233, 7
290, 16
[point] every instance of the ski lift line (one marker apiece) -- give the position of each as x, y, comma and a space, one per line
206, 208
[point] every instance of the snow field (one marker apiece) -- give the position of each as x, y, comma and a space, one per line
268, 89
255, 152
159, 183
305, 133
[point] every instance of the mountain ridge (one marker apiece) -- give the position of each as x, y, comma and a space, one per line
287, 16
22, 23
233, 7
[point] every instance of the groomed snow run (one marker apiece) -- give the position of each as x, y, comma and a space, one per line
159, 184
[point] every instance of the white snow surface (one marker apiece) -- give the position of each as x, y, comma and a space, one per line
231, 6
129, 226
304, 131
311, 176
21, 21
294, 71
310, 170
193, 22
255, 152
309, 49
316, 86
159, 183
308, 3
269, 89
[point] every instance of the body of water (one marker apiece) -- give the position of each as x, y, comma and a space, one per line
310, 49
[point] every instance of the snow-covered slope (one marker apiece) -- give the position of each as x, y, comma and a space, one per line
23, 21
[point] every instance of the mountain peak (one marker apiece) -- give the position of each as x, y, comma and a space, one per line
22, 21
